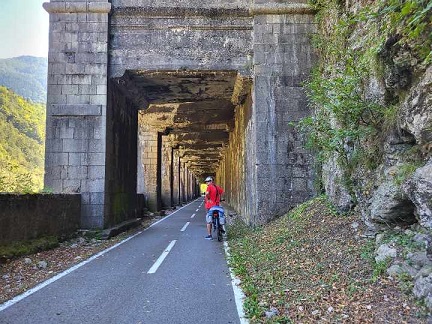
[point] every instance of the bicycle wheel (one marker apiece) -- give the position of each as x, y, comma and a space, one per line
219, 231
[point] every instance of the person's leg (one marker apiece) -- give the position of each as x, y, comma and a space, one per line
209, 225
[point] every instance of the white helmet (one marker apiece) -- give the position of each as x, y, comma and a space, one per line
208, 179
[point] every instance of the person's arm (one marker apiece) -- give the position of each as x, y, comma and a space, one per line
221, 192
208, 194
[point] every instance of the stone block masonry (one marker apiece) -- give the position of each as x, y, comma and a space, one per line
282, 60
76, 103
152, 166
166, 173
27, 217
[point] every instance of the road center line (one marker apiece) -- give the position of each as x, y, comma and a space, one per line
184, 227
45, 283
162, 257
193, 215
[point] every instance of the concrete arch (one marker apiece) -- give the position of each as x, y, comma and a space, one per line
147, 97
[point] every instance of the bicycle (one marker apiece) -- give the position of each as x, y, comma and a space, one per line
217, 226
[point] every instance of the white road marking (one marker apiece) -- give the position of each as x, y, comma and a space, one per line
184, 227
193, 215
162, 257
60, 275
31, 291
239, 296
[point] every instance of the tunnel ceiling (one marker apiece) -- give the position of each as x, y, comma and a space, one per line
195, 109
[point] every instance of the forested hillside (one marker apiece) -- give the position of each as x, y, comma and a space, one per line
26, 75
22, 135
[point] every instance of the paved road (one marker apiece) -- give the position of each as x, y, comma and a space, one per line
191, 285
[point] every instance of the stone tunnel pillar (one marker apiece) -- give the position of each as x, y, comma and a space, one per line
151, 162
76, 103
187, 182
183, 182
176, 177
167, 173
190, 185
280, 173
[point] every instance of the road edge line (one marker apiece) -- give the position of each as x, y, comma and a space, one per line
239, 296
58, 276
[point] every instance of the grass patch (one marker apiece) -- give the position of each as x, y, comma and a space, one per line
313, 266
17, 249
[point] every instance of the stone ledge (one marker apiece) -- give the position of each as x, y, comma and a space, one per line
122, 227
76, 110
76, 7
282, 9
272, 9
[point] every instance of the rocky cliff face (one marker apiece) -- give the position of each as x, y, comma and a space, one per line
396, 190
401, 186
382, 162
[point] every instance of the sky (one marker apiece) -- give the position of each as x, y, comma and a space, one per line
23, 28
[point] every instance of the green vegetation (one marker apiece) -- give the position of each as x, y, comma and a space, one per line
313, 266
22, 130
17, 249
407, 22
404, 171
26, 76
355, 48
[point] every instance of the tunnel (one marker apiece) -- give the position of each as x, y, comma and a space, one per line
168, 131
148, 97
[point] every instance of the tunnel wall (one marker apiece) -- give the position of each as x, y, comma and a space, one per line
182, 182
231, 174
278, 161
121, 169
176, 178
266, 154
149, 143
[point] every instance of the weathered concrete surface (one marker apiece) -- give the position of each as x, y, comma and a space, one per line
279, 168
120, 169
26, 217
232, 169
167, 169
151, 164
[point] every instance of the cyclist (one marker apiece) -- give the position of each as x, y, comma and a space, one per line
212, 198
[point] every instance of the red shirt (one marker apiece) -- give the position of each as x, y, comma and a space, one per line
213, 195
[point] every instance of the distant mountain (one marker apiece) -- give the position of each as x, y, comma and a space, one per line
22, 137
26, 76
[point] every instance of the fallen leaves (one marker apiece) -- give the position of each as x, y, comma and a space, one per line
311, 269
21, 274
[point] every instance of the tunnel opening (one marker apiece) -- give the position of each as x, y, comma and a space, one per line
167, 131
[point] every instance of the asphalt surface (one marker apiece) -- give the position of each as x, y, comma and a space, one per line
191, 285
